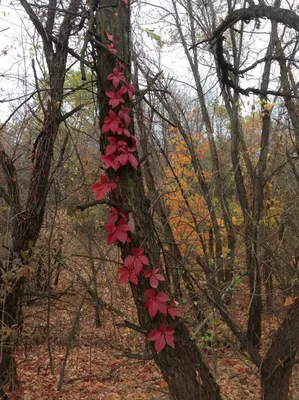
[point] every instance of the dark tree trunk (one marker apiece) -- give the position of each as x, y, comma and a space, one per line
254, 325
268, 282
27, 224
276, 369
188, 377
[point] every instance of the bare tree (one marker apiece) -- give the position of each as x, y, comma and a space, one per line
27, 220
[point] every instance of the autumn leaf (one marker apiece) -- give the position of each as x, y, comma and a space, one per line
124, 113
289, 301
161, 337
111, 122
111, 162
101, 189
173, 310
137, 259
130, 90
116, 77
127, 274
118, 232
156, 302
115, 98
112, 48
112, 146
154, 276
115, 215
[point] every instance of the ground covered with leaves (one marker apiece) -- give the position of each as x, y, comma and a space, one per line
96, 367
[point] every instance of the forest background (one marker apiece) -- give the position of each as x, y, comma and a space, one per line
181, 120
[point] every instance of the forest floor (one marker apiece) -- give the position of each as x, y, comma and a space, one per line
96, 367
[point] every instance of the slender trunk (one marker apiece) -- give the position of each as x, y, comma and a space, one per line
268, 282
94, 271
175, 255
254, 325
27, 224
225, 273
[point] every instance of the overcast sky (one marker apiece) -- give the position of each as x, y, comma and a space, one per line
14, 68
16, 52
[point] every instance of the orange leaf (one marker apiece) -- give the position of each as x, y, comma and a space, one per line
289, 301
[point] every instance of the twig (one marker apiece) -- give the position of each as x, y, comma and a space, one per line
138, 356
135, 327
93, 203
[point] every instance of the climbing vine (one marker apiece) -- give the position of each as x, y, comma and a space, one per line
119, 152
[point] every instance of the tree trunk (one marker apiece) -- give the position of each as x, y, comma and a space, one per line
276, 369
27, 224
188, 377
175, 256
268, 282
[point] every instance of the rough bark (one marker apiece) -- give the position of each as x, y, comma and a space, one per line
187, 375
276, 369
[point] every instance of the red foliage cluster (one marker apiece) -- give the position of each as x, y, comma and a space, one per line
119, 153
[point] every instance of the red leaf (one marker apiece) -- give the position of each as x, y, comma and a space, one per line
154, 334
137, 259
137, 265
154, 282
115, 215
130, 91
162, 297
170, 340
160, 344
122, 65
118, 232
133, 161
115, 98
161, 337
112, 48
162, 307
133, 278
124, 113
100, 190
147, 274
150, 293
116, 77
173, 310
156, 302
112, 146
129, 260
152, 309
122, 130
122, 231
143, 259
127, 273
123, 277
137, 252
111, 122
122, 236
154, 276
123, 159
110, 162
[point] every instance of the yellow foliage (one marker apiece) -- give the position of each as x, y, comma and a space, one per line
182, 217
273, 209
237, 216
266, 106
